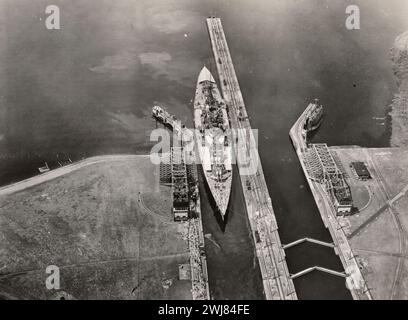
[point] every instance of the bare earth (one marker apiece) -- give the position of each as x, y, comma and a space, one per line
378, 234
109, 241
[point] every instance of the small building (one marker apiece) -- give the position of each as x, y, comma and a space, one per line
361, 170
342, 200
340, 193
180, 214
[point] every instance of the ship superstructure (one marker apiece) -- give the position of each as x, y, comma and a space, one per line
213, 139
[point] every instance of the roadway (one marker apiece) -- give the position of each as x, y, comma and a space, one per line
402, 232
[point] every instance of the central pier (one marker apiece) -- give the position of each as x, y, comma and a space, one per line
277, 281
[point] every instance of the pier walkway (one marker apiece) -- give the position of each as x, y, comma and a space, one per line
277, 282
167, 119
198, 261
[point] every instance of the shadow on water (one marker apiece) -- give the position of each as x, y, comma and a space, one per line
232, 264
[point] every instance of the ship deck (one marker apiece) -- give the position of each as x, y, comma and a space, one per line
220, 187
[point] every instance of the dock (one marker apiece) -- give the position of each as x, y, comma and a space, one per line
177, 170
277, 281
321, 193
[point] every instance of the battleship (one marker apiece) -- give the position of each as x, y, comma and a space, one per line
213, 140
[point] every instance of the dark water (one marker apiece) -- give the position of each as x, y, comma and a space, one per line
88, 89
233, 267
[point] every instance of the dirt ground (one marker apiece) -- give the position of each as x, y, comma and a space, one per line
107, 226
378, 233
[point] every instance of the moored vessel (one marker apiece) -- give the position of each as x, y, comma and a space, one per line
314, 117
213, 139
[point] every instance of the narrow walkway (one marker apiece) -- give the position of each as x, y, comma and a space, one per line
308, 270
299, 241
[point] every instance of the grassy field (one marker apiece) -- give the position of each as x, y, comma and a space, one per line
107, 226
378, 234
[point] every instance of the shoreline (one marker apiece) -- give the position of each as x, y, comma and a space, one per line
92, 220
59, 172
399, 105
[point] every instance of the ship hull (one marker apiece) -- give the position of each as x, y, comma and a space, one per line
213, 143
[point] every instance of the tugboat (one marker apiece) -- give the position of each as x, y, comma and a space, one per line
314, 117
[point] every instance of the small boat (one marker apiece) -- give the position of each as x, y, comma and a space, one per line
315, 116
45, 168
63, 162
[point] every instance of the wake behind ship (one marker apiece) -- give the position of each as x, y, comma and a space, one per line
213, 139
